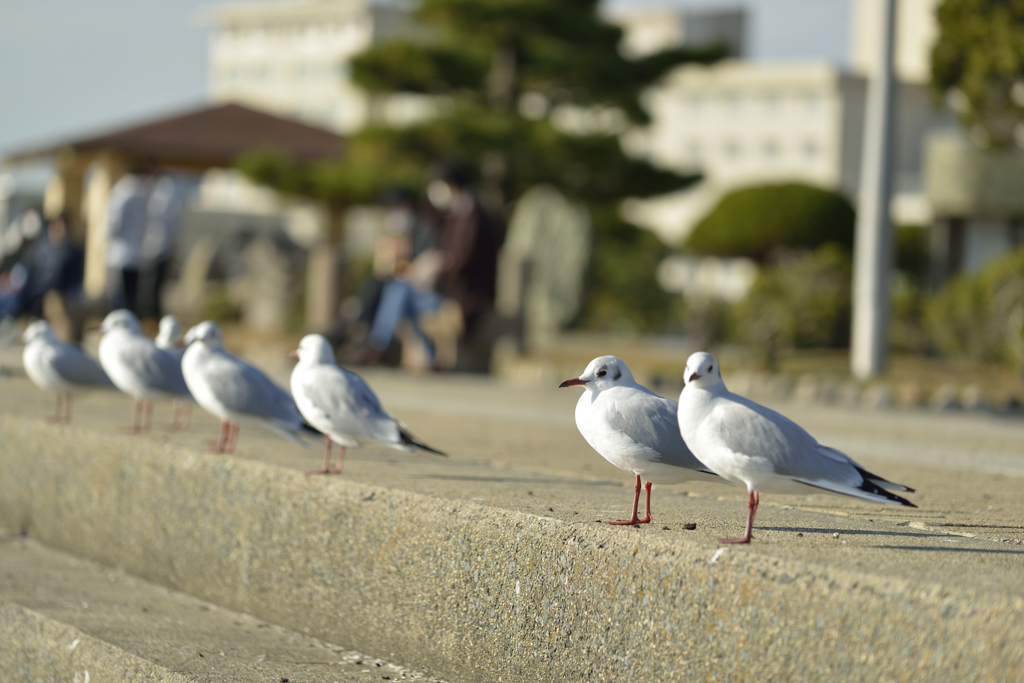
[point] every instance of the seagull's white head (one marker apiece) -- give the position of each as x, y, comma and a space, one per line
208, 334
170, 331
314, 349
603, 373
40, 329
702, 371
121, 319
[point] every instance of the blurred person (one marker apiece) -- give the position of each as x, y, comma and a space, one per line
127, 216
407, 264
18, 238
164, 210
53, 263
461, 265
468, 240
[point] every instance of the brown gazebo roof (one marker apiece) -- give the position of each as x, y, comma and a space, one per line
208, 137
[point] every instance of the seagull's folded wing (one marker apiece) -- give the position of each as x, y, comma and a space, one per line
646, 424
244, 389
154, 367
344, 402
76, 367
753, 430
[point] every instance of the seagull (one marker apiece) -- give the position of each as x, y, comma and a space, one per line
137, 367
634, 429
64, 369
235, 391
749, 444
341, 404
169, 339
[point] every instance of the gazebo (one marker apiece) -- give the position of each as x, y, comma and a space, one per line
198, 140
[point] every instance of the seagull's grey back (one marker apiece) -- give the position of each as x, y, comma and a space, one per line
157, 368
76, 367
752, 429
650, 421
346, 403
243, 389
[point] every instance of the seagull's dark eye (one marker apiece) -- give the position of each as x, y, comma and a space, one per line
602, 373
711, 368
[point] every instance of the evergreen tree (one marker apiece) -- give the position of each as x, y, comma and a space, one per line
978, 60
500, 72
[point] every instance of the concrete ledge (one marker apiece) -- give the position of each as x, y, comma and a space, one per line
482, 593
67, 619
35, 648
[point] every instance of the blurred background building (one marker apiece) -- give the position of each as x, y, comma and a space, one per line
739, 122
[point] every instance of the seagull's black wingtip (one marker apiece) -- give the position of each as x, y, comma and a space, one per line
409, 440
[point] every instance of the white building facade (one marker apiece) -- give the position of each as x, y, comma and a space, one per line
292, 58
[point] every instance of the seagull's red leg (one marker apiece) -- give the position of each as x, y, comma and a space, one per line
647, 506
147, 415
341, 459
219, 447
175, 412
67, 408
327, 459
752, 500
136, 419
56, 417
182, 415
232, 437
636, 502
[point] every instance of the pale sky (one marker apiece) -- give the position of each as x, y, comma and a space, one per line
69, 68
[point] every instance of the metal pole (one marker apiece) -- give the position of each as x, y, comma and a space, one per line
873, 242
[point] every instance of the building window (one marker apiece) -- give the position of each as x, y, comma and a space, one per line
732, 150
812, 102
771, 149
811, 149
771, 104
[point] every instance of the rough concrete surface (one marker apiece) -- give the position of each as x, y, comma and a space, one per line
63, 618
489, 564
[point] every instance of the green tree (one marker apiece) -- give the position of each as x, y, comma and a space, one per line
755, 221
978, 61
499, 72
803, 302
981, 316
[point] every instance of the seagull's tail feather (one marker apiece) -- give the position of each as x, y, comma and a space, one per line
883, 483
868, 490
290, 432
410, 440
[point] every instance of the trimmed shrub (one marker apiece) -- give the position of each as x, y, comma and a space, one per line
804, 302
982, 316
623, 294
755, 221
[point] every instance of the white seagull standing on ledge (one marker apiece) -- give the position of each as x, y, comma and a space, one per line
341, 404
235, 391
63, 369
749, 444
137, 367
634, 429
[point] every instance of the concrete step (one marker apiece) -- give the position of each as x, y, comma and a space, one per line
489, 564
63, 618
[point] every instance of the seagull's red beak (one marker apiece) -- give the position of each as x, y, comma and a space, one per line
180, 343
693, 377
573, 383
294, 354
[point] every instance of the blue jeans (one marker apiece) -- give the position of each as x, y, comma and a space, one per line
400, 300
